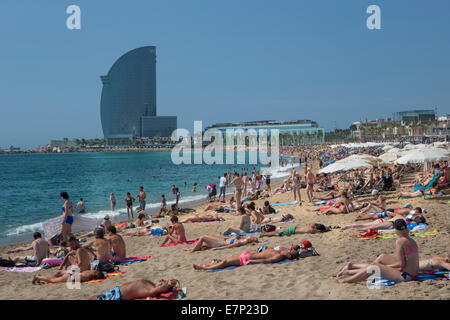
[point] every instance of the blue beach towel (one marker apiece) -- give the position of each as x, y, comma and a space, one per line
440, 275
284, 204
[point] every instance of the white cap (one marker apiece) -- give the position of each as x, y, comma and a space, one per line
374, 192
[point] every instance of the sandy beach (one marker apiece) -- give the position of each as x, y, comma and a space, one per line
308, 278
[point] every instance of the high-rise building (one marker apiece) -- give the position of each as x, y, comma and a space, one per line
128, 102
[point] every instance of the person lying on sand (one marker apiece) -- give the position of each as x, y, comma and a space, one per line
282, 218
218, 204
343, 205
380, 224
220, 242
40, 251
328, 196
202, 218
176, 233
269, 255
118, 247
378, 205
404, 267
435, 263
63, 275
390, 213
146, 231
138, 289
309, 228
244, 225
76, 257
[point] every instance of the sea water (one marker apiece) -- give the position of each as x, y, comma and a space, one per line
30, 185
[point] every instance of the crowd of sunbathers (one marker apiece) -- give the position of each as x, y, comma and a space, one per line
333, 193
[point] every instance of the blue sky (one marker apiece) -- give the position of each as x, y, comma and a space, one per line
222, 61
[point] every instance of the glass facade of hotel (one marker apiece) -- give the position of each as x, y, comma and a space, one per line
129, 96
300, 131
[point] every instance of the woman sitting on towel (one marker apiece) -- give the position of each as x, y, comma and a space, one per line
310, 228
269, 255
202, 218
220, 242
403, 267
244, 225
138, 289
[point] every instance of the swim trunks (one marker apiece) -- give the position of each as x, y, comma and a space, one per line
69, 220
382, 215
113, 294
289, 231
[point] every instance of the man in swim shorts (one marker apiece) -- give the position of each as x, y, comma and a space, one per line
138, 289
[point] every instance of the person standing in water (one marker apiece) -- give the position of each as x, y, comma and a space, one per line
237, 181
142, 196
129, 201
80, 206
112, 197
67, 209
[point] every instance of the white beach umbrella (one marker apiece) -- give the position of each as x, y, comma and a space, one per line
423, 155
389, 157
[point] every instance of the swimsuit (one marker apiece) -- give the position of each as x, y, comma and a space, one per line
113, 294
69, 220
405, 274
244, 257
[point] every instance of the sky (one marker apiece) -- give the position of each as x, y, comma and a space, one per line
222, 61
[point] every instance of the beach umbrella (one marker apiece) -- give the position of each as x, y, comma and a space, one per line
389, 157
423, 155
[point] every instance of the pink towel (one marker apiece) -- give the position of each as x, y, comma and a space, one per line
22, 269
178, 243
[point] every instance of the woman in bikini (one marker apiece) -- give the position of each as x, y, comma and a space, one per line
269, 255
237, 181
343, 205
296, 186
220, 242
403, 267
202, 218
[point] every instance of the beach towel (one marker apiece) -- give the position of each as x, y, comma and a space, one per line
131, 260
393, 235
53, 226
234, 267
107, 276
220, 220
284, 204
178, 243
439, 275
178, 294
243, 233
22, 269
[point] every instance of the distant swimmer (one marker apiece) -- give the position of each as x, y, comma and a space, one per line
80, 206
194, 188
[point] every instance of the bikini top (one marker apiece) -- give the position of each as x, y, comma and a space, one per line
410, 252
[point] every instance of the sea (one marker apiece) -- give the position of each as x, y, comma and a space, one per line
30, 185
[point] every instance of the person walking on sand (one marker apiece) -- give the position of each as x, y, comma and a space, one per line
310, 179
296, 186
237, 181
129, 201
113, 200
222, 186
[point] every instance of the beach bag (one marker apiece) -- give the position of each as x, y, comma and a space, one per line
268, 228
7, 263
